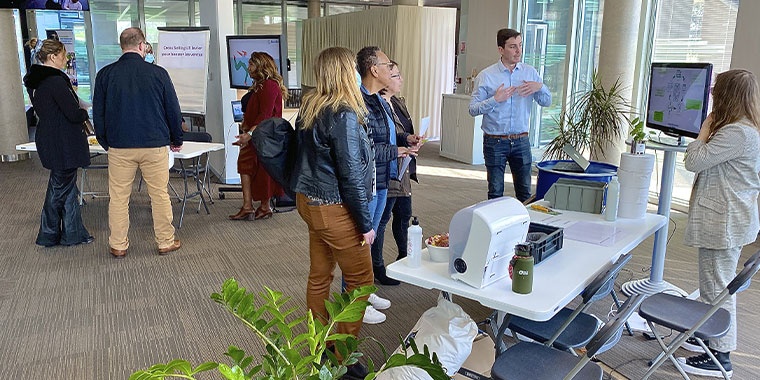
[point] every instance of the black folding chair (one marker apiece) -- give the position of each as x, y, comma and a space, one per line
692, 318
573, 328
531, 361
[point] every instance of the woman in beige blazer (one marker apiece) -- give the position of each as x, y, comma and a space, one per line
723, 212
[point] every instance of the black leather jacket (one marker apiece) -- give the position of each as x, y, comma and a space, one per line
335, 162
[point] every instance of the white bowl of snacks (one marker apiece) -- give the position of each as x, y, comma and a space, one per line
438, 248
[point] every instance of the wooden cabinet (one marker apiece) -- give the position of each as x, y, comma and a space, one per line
461, 136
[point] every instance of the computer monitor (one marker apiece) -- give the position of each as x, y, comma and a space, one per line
237, 111
678, 97
239, 49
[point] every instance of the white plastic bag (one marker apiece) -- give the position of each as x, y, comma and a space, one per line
448, 331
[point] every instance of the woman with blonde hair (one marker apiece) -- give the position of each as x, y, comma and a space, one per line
333, 182
264, 100
723, 214
61, 144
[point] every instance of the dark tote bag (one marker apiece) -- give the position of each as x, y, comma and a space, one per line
275, 142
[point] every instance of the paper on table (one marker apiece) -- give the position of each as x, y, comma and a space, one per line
595, 233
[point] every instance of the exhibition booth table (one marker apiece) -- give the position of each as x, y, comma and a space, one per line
590, 244
194, 151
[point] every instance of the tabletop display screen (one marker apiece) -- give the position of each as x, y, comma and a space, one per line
678, 97
239, 49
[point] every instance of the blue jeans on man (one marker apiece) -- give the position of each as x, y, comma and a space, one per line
497, 153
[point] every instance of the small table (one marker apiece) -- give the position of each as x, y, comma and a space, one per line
556, 281
190, 150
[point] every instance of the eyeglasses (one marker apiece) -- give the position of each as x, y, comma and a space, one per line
395, 76
390, 65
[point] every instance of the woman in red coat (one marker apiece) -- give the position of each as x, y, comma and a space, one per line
265, 101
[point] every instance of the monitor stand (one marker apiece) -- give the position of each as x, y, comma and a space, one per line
669, 140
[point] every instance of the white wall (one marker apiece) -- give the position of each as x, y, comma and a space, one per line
746, 51
478, 23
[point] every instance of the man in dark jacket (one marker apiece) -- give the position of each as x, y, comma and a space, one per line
375, 70
137, 119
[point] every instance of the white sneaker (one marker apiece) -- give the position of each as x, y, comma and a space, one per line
372, 316
379, 303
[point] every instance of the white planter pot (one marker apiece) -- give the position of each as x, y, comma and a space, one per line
638, 147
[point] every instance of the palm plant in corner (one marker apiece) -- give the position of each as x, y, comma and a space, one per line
291, 355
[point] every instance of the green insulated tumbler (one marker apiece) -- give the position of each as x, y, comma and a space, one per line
522, 273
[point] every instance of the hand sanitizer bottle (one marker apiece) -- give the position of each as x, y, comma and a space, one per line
414, 244
613, 193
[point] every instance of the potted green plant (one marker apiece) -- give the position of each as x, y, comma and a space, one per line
593, 121
295, 347
638, 137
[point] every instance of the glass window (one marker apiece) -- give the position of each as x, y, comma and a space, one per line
159, 13
109, 18
685, 33
545, 44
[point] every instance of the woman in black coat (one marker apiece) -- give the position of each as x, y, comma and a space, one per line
61, 144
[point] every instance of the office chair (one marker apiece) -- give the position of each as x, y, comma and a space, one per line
692, 318
573, 328
530, 360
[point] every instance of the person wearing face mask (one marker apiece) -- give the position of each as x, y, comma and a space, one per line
149, 57
61, 144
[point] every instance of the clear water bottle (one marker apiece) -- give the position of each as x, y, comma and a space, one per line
414, 244
613, 194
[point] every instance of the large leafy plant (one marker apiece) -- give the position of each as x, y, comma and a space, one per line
593, 120
295, 347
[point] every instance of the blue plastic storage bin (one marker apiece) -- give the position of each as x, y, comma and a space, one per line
597, 171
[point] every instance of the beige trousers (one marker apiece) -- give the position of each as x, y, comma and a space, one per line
122, 167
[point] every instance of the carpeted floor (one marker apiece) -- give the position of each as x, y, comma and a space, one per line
76, 313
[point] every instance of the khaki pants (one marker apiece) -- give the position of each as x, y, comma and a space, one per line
333, 239
122, 167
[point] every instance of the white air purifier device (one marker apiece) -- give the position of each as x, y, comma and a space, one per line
482, 240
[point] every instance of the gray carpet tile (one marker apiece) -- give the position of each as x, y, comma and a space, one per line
76, 313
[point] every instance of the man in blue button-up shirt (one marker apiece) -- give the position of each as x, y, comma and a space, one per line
504, 93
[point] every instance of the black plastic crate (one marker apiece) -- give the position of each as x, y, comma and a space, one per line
549, 244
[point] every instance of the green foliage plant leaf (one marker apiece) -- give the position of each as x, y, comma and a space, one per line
295, 347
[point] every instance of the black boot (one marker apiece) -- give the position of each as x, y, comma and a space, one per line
382, 278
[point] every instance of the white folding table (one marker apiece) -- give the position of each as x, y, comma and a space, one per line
190, 150
556, 281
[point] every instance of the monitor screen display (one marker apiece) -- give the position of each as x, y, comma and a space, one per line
239, 49
678, 97
65, 5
